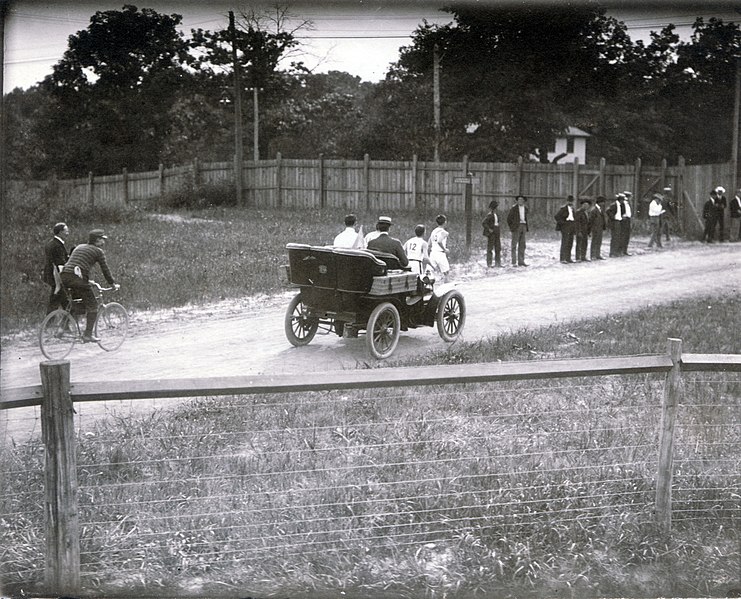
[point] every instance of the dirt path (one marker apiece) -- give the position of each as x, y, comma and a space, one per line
238, 338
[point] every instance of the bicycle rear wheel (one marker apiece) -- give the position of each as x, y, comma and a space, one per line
58, 334
112, 326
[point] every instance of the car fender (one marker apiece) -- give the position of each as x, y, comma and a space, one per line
438, 292
437, 295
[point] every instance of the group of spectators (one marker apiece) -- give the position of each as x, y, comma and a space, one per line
69, 269
581, 227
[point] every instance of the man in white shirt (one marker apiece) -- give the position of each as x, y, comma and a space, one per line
349, 238
416, 250
655, 211
438, 246
566, 225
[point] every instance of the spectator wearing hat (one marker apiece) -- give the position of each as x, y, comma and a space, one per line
735, 209
655, 212
438, 245
76, 276
55, 252
349, 238
669, 218
417, 251
626, 222
615, 219
709, 215
492, 232
597, 226
517, 221
720, 212
582, 228
385, 243
566, 224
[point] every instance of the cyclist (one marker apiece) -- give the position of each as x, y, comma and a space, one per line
76, 276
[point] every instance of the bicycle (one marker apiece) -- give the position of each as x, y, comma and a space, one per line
60, 330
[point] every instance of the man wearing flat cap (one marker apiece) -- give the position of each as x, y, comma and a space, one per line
385, 243
76, 276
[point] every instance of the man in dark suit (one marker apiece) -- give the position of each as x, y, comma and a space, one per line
597, 226
565, 223
385, 243
720, 212
517, 221
583, 216
709, 215
56, 255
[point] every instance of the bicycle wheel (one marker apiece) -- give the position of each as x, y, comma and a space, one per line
112, 326
58, 334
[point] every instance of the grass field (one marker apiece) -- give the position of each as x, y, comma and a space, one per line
509, 490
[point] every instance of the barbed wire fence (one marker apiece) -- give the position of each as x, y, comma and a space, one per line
382, 482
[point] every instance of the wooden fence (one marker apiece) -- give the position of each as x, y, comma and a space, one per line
376, 185
57, 396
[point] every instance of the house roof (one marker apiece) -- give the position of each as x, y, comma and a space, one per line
576, 132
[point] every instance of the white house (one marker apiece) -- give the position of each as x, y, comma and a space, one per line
571, 146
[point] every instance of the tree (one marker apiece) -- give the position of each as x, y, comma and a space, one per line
112, 91
24, 146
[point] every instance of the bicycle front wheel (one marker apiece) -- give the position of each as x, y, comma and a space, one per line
58, 335
112, 326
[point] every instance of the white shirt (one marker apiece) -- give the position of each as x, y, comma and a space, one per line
348, 239
571, 213
438, 240
627, 210
59, 238
416, 248
655, 208
522, 215
371, 235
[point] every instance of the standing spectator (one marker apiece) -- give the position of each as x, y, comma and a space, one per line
565, 223
385, 243
517, 221
438, 247
56, 255
669, 218
349, 238
492, 232
709, 215
417, 252
597, 226
735, 217
626, 223
582, 227
720, 212
76, 276
615, 218
655, 212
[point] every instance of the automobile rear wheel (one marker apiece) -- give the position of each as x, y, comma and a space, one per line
382, 331
300, 328
451, 315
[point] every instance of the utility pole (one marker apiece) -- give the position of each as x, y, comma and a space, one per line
436, 98
256, 133
238, 157
734, 148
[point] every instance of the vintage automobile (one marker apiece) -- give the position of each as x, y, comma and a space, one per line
348, 291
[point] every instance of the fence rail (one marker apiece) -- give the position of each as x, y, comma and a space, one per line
321, 485
376, 185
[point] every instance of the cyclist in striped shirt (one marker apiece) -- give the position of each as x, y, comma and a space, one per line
76, 276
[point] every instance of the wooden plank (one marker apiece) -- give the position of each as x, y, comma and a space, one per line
369, 379
711, 362
21, 397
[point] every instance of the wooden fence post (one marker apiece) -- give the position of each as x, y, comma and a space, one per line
662, 175
679, 196
125, 174
575, 181
161, 178
278, 177
520, 163
415, 201
666, 437
90, 190
62, 527
366, 181
322, 194
637, 185
196, 172
602, 168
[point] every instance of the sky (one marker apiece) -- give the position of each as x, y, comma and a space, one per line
361, 37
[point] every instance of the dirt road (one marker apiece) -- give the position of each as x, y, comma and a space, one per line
246, 337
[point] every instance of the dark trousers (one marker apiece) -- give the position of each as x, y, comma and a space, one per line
709, 232
595, 250
494, 245
581, 247
735, 224
56, 300
81, 289
519, 243
616, 239
625, 228
567, 242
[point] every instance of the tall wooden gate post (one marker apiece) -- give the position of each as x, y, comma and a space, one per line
62, 527
666, 439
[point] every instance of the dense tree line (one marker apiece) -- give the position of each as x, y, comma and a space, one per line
131, 91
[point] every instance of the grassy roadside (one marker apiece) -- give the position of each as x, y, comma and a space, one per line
162, 520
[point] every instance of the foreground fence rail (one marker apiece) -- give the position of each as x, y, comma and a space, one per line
388, 462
